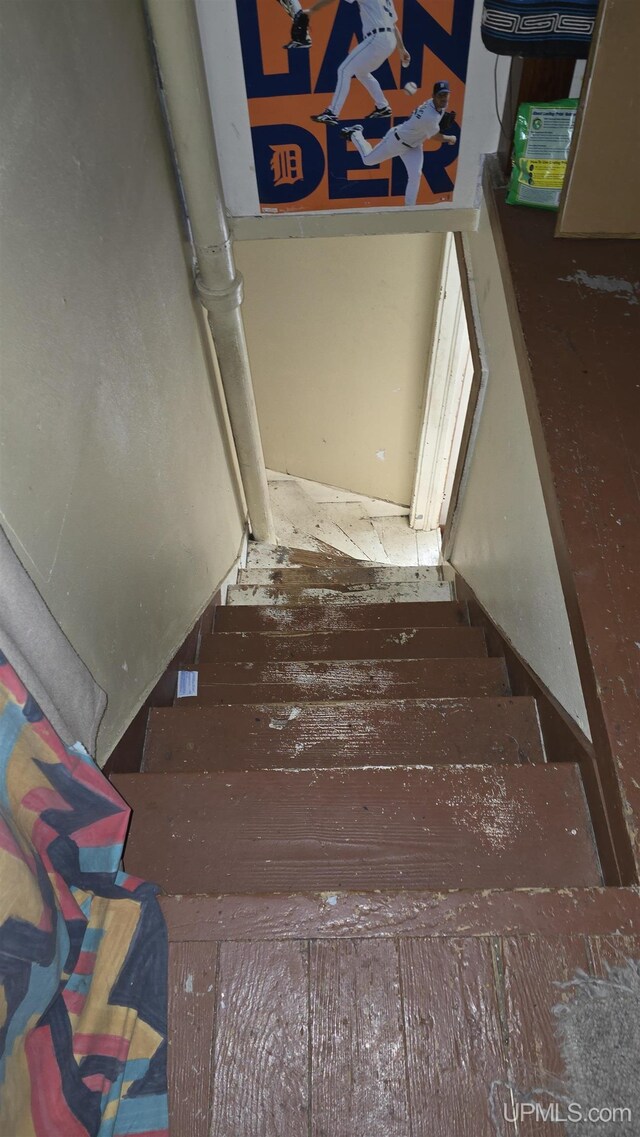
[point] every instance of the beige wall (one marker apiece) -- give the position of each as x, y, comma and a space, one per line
116, 485
502, 544
593, 203
339, 332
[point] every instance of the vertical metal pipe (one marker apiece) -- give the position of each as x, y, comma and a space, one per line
177, 40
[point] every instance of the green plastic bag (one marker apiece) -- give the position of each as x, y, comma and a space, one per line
540, 151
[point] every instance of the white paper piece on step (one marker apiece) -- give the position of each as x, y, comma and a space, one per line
187, 684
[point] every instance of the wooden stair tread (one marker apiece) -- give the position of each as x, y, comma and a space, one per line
356, 575
429, 828
455, 912
420, 590
284, 620
483, 730
336, 681
396, 643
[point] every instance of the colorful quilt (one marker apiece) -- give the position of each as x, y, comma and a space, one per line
83, 946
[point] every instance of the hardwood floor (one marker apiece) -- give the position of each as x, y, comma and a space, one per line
398, 1037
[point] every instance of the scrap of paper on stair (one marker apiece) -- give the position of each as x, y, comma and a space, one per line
187, 684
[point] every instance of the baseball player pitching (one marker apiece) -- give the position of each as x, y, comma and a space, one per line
406, 140
380, 38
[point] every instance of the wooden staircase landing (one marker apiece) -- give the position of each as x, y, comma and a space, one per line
372, 876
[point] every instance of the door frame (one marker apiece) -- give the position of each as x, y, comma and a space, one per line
449, 382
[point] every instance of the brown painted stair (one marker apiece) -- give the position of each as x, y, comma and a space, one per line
352, 747
352, 779
362, 829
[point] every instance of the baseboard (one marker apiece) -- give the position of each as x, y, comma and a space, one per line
563, 739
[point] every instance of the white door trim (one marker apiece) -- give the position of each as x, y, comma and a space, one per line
445, 383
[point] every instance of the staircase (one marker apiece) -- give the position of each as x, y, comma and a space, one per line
358, 835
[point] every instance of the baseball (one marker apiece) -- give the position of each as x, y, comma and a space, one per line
411, 88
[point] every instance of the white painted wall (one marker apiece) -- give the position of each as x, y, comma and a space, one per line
339, 331
116, 482
223, 63
502, 542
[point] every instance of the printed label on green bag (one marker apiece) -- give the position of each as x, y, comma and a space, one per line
541, 148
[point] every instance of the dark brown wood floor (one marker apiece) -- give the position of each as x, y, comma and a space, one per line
393, 1037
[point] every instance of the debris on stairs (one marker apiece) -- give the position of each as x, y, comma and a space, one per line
373, 879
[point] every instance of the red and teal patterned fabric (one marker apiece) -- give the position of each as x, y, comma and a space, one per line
83, 946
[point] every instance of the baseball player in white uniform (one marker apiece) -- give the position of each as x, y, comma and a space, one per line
380, 38
300, 37
406, 140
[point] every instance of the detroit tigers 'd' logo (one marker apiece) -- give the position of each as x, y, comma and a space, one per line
286, 165
289, 162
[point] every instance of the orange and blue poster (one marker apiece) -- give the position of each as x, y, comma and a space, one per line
350, 117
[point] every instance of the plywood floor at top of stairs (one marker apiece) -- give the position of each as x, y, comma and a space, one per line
314, 517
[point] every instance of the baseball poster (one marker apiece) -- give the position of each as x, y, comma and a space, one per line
354, 104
